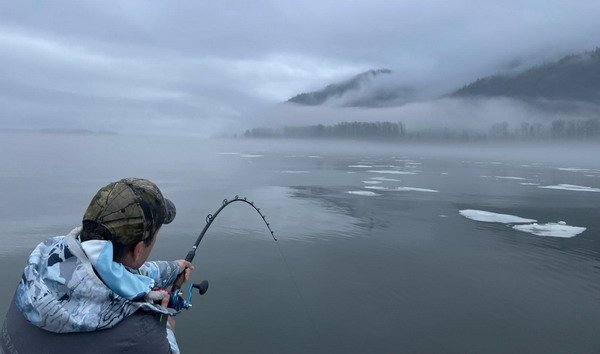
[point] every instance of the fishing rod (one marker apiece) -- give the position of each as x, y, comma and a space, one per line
176, 300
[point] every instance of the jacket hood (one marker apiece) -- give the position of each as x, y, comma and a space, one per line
60, 291
116, 277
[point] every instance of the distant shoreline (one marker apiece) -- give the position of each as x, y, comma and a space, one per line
57, 131
556, 130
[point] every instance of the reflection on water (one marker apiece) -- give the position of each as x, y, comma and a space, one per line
350, 272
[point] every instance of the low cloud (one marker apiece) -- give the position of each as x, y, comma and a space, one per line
471, 114
196, 67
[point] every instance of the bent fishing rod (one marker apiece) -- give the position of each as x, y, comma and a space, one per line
176, 300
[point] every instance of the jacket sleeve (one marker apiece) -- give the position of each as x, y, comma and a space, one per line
172, 341
163, 272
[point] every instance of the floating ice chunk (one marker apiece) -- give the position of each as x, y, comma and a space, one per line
365, 193
360, 166
443, 216
371, 182
482, 176
294, 171
251, 156
511, 177
560, 229
572, 187
487, 216
412, 189
385, 166
315, 157
385, 179
584, 170
414, 163
392, 172
350, 172
444, 173
379, 188
573, 169
529, 184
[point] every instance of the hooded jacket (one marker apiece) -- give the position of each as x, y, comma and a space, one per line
71, 287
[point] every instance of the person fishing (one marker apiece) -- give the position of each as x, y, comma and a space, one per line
93, 290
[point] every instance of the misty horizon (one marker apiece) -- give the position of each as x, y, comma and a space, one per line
151, 69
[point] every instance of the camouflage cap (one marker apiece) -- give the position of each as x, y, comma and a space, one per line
131, 209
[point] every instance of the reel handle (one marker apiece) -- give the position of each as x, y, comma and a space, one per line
202, 287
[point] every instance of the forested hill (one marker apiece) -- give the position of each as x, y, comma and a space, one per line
337, 90
573, 78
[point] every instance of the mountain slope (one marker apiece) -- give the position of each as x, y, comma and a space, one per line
353, 85
573, 78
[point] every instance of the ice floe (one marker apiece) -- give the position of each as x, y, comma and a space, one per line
360, 166
379, 188
392, 172
485, 162
401, 189
365, 193
487, 216
371, 182
315, 157
511, 177
385, 166
294, 171
574, 169
572, 187
560, 229
251, 156
529, 184
412, 189
385, 179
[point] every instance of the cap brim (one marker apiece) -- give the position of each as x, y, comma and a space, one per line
170, 211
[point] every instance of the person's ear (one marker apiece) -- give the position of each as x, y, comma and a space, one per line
137, 251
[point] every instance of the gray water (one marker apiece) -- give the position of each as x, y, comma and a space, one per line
399, 272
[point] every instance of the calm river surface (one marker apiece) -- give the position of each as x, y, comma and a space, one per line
394, 268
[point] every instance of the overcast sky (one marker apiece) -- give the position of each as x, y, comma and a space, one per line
207, 67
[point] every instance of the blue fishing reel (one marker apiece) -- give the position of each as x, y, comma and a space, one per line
178, 302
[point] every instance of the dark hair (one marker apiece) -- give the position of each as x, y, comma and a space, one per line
94, 231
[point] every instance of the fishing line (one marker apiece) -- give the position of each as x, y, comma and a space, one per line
287, 266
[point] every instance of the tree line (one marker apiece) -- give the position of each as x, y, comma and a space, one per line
396, 131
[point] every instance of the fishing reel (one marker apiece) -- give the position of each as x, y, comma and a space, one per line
178, 302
